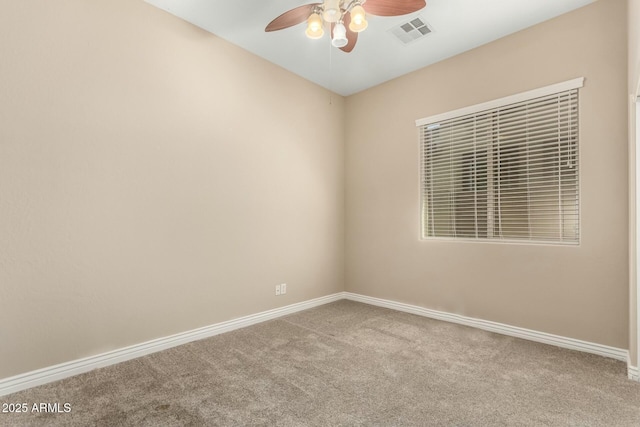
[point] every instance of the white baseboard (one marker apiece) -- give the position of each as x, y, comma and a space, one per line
75, 367
500, 328
79, 366
633, 373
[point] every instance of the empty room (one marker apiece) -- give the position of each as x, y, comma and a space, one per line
367, 212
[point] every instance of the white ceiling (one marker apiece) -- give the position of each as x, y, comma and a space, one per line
458, 25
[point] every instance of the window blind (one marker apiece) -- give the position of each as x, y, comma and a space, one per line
504, 173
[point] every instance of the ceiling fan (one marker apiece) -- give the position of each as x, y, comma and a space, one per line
347, 18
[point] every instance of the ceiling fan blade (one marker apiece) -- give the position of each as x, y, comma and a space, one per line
291, 17
352, 36
392, 7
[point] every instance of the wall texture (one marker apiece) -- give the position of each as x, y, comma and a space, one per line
152, 182
579, 292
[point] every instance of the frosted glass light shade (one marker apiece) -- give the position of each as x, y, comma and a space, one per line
314, 27
358, 19
339, 36
331, 11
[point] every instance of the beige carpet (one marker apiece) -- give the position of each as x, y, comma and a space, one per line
347, 364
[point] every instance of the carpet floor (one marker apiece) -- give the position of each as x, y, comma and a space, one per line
346, 364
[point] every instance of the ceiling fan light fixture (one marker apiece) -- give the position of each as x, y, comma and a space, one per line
331, 10
358, 19
339, 14
314, 27
339, 35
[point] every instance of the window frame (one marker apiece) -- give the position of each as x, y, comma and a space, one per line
557, 88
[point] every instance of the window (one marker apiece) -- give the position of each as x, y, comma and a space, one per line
504, 170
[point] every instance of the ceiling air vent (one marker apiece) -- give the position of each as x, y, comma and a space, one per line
411, 31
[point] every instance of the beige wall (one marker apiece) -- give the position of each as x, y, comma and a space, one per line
579, 292
152, 181
633, 82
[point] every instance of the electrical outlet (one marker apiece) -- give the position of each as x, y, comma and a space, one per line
283, 288
277, 290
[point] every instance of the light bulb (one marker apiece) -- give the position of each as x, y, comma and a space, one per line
331, 11
358, 19
339, 35
314, 27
